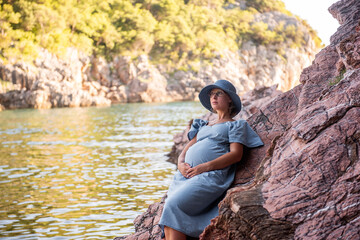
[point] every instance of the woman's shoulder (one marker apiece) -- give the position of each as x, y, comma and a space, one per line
237, 123
240, 131
195, 126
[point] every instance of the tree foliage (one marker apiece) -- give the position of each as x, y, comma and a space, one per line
170, 31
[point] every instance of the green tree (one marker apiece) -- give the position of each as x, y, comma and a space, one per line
14, 42
175, 32
135, 26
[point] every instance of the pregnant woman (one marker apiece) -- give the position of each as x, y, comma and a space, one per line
206, 166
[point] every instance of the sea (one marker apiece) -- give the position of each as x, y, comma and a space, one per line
85, 173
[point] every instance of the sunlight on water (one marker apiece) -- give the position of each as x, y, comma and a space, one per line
79, 173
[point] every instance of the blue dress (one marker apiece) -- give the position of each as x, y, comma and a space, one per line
192, 202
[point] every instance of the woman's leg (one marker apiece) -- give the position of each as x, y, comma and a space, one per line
172, 234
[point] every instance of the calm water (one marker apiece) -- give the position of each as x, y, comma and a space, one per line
85, 173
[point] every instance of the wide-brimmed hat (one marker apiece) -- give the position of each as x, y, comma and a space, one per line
227, 87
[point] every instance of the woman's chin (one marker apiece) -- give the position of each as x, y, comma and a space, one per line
217, 108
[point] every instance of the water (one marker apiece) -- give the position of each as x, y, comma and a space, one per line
85, 173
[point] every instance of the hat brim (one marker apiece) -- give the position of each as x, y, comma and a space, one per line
205, 98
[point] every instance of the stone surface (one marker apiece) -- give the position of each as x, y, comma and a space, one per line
304, 183
311, 168
146, 224
50, 82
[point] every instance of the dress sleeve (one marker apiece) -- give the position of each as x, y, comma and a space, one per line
241, 132
195, 127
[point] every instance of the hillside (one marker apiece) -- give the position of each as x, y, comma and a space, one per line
145, 51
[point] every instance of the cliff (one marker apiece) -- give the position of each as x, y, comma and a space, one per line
303, 184
81, 80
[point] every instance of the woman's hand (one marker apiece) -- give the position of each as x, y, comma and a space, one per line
191, 172
183, 168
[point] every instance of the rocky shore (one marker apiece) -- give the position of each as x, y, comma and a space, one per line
303, 183
78, 80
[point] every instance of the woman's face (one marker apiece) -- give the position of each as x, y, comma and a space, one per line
219, 100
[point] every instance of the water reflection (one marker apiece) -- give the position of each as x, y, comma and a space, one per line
87, 172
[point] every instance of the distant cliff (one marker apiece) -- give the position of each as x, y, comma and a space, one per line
304, 182
273, 48
86, 81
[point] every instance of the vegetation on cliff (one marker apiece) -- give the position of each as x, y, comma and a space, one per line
170, 31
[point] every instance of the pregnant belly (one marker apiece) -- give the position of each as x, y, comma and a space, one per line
204, 151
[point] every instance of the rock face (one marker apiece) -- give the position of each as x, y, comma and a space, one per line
249, 68
130, 80
79, 80
304, 183
50, 82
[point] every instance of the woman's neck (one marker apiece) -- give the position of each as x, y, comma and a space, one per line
223, 116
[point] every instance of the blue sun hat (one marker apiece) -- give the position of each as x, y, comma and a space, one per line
227, 87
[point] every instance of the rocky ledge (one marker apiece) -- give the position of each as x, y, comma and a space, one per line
304, 183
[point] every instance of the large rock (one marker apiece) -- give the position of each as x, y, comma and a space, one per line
303, 184
148, 84
307, 182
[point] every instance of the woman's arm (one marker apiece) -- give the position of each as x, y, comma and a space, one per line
182, 166
235, 154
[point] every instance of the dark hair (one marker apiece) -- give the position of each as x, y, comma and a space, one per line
232, 109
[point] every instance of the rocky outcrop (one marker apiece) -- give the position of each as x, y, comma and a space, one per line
249, 68
146, 224
130, 80
303, 184
50, 82
264, 65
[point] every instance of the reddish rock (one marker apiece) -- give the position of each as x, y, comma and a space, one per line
349, 48
146, 224
309, 177
347, 13
304, 183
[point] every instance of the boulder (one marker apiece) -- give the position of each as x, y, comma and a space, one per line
117, 95
149, 84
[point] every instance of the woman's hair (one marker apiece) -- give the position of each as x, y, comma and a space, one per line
232, 109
